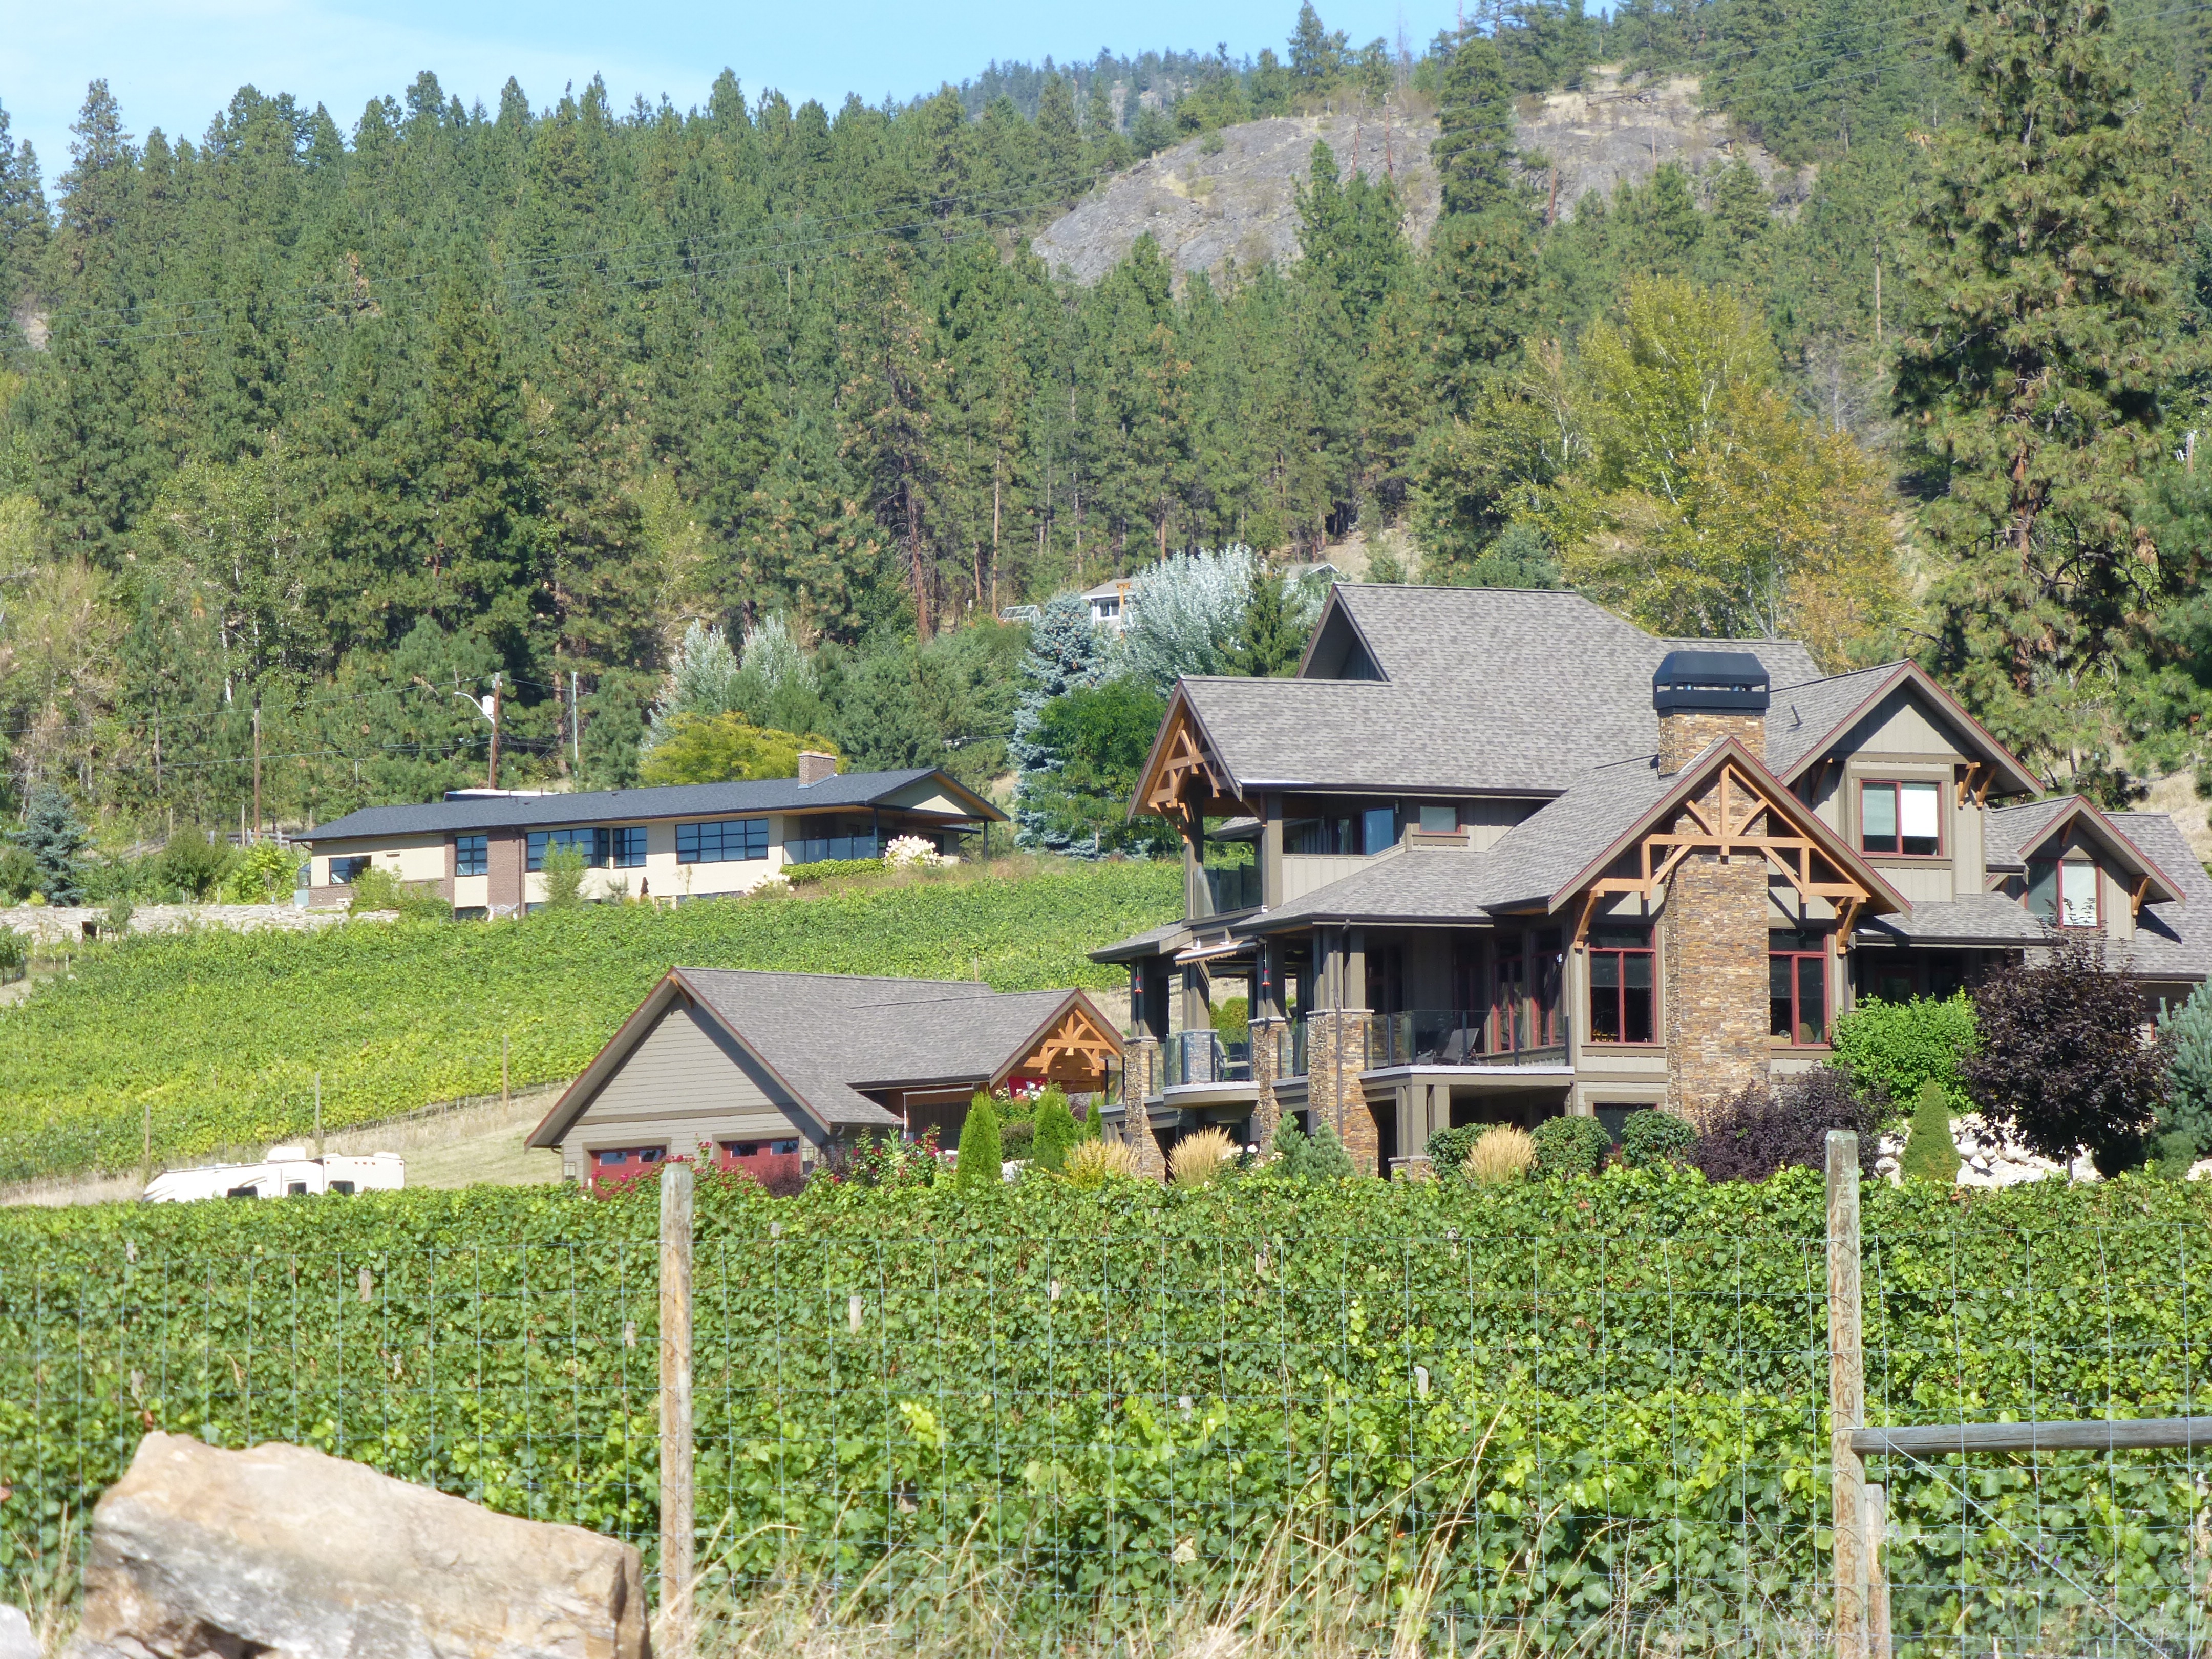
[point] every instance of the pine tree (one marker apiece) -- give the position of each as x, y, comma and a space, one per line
54, 836
1474, 147
1317, 54
1272, 635
22, 216
1060, 141
981, 1164
2041, 348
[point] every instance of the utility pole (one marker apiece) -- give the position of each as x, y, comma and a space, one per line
257, 763
493, 774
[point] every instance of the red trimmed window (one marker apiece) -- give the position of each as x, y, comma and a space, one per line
1905, 818
763, 1160
1621, 966
618, 1166
2064, 893
1797, 989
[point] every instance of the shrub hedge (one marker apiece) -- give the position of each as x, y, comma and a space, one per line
1585, 1399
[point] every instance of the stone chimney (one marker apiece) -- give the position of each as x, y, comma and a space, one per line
1699, 696
814, 766
1713, 929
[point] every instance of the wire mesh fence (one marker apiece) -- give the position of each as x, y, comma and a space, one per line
1562, 1437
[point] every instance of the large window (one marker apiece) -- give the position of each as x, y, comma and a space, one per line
1620, 963
1901, 818
627, 847
723, 841
471, 854
343, 871
2063, 892
1797, 987
591, 843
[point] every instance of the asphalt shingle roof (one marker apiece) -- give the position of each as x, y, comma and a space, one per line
826, 1033
1975, 917
1408, 883
1486, 688
682, 800
2173, 938
2009, 832
1804, 718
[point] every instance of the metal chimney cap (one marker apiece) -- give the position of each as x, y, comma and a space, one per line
1718, 682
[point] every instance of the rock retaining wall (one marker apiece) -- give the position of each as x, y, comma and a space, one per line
65, 924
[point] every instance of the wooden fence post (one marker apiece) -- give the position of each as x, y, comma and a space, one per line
1874, 1537
1846, 1394
675, 1493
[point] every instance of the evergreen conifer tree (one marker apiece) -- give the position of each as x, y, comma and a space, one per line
1094, 1120
54, 837
2042, 345
1474, 147
2187, 1036
1066, 653
1930, 1154
1272, 634
1055, 1130
980, 1165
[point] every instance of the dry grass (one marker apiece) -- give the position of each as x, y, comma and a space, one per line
1500, 1154
1298, 1597
1093, 1163
1199, 1157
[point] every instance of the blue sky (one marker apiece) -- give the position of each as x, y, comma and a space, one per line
174, 64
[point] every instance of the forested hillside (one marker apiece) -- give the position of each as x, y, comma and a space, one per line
332, 415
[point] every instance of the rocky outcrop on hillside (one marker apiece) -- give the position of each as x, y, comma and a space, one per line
1228, 201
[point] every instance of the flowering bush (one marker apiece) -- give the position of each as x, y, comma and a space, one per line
913, 853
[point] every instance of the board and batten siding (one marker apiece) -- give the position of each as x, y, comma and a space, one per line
685, 1082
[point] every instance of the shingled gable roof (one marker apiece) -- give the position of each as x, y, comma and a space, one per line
2173, 939
848, 790
1543, 861
1484, 691
825, 1036
2014, 832
1559, 850
1806, 719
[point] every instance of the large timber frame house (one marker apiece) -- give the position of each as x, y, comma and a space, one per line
1492, 856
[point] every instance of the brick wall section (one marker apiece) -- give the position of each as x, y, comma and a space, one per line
505, 858
1336, 1053
1683, 734
1715, 948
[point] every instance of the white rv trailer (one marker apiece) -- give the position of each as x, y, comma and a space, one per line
287, 1172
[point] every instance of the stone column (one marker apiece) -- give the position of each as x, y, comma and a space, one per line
1143, 1070
1336, 1053
1270, 1036
1713, 937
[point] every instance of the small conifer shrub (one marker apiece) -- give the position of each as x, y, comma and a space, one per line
980, 1162
1930, 1154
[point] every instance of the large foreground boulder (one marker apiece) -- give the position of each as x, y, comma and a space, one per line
198, 1553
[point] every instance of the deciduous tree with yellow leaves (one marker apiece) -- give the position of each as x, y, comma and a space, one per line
1703, 503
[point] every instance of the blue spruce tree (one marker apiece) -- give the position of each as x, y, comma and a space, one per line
54, 835
1066, 653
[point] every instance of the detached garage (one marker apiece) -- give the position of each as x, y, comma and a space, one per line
764, 1073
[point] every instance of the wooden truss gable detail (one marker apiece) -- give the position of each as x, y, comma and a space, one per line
1078, 1050
1735, 817
1182, 760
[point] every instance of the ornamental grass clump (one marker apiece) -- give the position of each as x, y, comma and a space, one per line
1092, 1164
1200, 1157
1500, 1154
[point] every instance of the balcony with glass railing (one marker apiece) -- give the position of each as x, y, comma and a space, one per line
1523, 1034
1201, 1059
1233, 887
